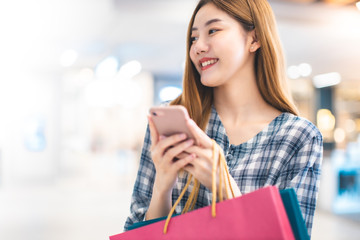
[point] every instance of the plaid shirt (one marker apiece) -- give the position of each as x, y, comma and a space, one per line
287, 153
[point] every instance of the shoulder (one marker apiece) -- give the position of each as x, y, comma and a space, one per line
297, 129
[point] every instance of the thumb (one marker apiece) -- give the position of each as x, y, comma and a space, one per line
153, 132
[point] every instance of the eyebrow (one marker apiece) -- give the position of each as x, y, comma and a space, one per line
207, 23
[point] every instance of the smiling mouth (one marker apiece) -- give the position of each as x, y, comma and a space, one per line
207, 63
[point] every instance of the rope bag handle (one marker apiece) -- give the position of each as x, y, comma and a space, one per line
223, 178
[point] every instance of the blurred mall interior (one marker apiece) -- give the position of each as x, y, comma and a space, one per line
77, 78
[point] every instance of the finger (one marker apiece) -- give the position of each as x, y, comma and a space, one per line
153, 132
184, 162
190, 168
204, 158
176, 150
201, 138
182, 155
200, 152
167, 143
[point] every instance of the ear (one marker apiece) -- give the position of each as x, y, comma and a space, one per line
254, 42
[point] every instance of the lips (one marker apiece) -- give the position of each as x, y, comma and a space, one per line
206, 63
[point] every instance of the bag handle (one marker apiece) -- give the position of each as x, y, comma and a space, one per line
190, 203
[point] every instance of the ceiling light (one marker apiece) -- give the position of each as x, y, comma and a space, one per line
327, 80
358, 5
301, 70
293, 72
305, 69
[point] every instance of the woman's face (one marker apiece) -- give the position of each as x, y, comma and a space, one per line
220, 46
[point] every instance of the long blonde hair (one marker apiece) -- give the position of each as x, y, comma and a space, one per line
269, 61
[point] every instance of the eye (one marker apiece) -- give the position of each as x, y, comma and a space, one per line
193, 39
211, 31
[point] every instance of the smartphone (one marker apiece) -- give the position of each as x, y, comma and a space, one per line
171, 120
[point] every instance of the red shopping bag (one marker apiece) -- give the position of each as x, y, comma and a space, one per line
256, 215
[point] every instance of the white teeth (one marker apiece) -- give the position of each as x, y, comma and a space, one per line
212, 61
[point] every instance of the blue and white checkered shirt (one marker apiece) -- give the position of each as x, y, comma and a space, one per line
287, 153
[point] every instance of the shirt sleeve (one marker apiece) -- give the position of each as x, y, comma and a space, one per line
303, 174
142, 191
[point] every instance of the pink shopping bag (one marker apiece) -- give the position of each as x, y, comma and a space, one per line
256, 215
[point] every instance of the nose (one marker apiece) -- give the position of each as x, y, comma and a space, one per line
200, 46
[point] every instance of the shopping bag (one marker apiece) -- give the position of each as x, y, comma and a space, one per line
256, 215
294, 214
292, 208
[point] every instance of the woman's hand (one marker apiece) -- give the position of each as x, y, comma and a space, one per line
168, 161
165, 152
201, 167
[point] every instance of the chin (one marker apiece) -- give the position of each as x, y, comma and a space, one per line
207, 83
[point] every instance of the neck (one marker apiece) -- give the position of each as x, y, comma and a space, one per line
240, 100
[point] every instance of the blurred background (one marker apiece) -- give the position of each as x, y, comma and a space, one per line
77, 78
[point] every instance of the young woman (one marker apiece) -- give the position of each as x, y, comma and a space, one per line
234, 90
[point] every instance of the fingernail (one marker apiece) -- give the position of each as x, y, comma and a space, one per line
162, 137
